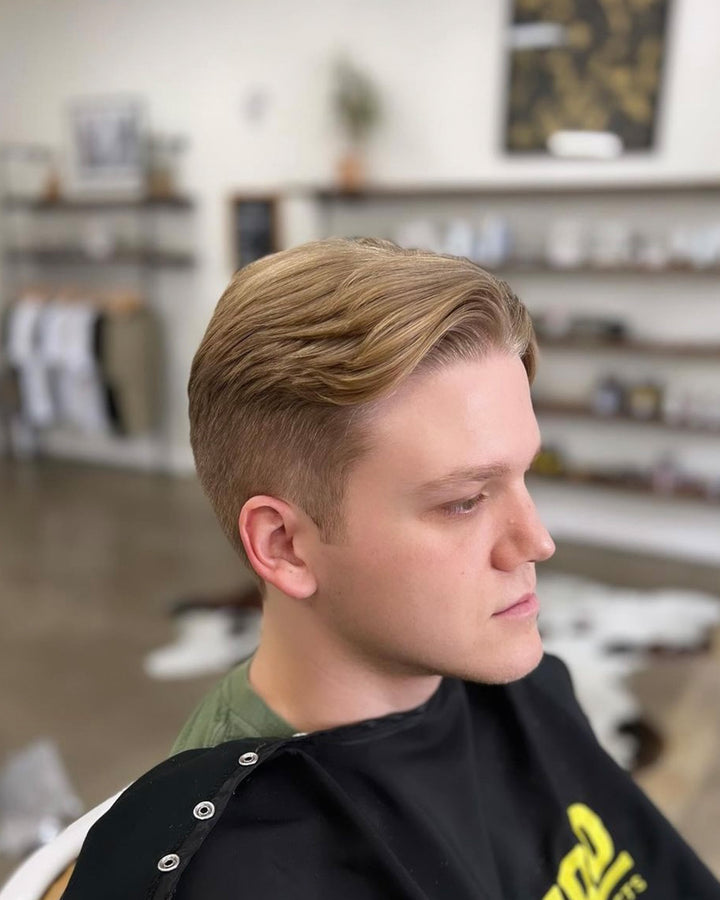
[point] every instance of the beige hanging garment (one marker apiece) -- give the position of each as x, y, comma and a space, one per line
130, 356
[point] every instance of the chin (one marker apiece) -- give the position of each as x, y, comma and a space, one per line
510, 664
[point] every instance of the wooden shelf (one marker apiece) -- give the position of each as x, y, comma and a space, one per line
519, 267
74, 256
97, 204
578, 411
648, 348
377, 192
632, 484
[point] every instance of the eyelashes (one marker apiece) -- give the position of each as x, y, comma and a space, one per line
463, 507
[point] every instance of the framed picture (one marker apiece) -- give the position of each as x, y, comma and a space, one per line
107, 145
255, 228
585, 66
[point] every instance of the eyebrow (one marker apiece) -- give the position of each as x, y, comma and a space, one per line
465, 474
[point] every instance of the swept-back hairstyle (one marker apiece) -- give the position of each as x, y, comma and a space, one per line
303, 342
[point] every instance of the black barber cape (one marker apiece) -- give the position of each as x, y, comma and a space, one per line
485, 792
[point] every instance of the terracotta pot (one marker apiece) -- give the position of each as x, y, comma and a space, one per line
350, 172
53, 188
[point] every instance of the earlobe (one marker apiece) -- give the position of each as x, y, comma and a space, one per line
270, 530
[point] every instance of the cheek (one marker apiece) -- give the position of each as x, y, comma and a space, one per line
392, 552
423, 558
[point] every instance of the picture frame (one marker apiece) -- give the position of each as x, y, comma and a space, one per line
568, 72
107, 145
255, 230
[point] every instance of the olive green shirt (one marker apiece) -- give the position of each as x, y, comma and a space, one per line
232, 710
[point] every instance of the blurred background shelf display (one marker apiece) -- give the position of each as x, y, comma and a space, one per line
580, 411
77, 231
121, 264
593, 228
540, 267
634, 482
77, 256
622, 345
67, 204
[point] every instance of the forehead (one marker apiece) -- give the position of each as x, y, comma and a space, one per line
466, 414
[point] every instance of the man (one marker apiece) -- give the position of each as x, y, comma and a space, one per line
361, 422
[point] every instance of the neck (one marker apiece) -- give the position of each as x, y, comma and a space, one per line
315, 680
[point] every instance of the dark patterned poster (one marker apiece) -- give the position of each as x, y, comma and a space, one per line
589, 65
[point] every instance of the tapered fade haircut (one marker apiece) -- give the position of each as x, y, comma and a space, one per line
304, 343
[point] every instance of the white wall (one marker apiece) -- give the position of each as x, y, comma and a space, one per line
440, 66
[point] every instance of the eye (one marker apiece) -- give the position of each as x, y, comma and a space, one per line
463, 507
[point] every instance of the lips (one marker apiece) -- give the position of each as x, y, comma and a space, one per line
528, 603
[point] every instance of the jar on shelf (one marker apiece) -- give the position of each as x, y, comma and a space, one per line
676, 404
566, 244
549, 462
162, 164
607, 398
665, 477
644, 400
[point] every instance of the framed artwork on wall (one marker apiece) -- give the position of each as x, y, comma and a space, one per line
107, 147
584, 66
254, 228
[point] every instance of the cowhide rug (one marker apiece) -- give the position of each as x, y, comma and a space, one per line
605, 633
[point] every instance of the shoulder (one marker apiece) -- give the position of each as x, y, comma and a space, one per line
143, 844
552, 681
545, 695
207, 725
552, 675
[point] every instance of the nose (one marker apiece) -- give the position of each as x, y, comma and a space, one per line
522, 537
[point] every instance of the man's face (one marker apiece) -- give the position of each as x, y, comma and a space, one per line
428, 557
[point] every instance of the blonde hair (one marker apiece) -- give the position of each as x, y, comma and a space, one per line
301, 344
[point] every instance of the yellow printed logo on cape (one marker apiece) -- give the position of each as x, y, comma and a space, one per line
592, 870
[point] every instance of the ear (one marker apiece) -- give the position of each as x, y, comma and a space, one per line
272, 533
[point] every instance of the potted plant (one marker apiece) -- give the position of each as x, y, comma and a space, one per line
357, 108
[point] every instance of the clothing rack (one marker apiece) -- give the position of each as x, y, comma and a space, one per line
78, 358
114, 300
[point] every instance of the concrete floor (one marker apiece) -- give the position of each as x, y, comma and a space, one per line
90, 561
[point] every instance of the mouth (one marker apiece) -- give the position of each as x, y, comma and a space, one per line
527, 605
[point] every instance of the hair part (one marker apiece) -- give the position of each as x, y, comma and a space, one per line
301, 345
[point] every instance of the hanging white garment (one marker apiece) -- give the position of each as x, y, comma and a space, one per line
50, 343
24, 326
52, 338
81, 393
